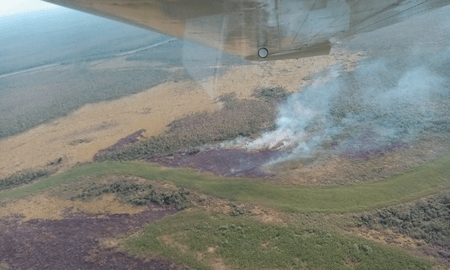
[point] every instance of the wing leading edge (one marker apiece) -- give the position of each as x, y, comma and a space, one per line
259, 29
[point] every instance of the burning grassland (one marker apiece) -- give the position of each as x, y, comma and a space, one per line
80, 135
223, 162
237, 118
347, 126
384, 117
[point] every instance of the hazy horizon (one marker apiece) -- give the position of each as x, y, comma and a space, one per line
11, 8
55, 61
48, 65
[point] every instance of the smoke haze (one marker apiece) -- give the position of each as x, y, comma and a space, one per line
383, 105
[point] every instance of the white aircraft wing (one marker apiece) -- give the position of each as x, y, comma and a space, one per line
259, 29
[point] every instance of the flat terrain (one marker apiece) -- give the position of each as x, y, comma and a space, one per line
423, 180
346, 164
98, 126
72, 243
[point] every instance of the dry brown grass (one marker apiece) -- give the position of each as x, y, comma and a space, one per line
389, 237
43, 206
107, 122
169, 241
268, 215
215, 205
236, 118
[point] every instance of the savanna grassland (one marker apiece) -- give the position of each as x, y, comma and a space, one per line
135, 183
207, 221
241, 223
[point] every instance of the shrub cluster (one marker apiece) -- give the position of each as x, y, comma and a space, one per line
237, 210
136, 194
174, 198
122, 188
22, 178
428, 220
236, 118
277, 94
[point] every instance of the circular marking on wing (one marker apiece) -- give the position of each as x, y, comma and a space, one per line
263, 53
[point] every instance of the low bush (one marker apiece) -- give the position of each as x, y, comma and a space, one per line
276, 94
428, 220
237, 210
136, 194
22, 178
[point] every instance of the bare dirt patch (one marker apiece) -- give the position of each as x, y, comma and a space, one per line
219, 264
268, 216
389, 237
73, 242
210, 204
217, 205
212, 249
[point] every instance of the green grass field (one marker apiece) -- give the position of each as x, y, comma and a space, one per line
201, 240
422, 180
198, 240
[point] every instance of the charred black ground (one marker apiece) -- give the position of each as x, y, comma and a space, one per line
73, 243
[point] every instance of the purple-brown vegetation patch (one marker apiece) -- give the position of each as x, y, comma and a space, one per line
439, 250
73, 243
128, 140
367, 145
224, 162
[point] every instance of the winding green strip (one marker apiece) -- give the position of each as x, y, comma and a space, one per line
422, 180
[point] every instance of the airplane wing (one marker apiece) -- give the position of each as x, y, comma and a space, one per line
259, 29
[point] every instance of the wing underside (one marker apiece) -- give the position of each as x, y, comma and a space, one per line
282, 28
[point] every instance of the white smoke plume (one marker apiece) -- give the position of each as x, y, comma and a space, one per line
384, 104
